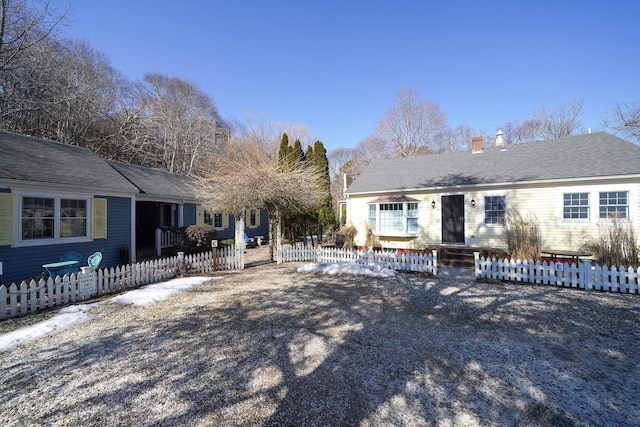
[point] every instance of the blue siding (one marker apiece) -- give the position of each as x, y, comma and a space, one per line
262, 230
26, 262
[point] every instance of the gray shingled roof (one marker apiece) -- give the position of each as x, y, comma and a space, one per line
34, 160
581, 156
157, 182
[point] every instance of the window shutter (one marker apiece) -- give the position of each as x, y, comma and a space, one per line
225, 220
98, 218
257, 217
199, 215
247, 217
6, 219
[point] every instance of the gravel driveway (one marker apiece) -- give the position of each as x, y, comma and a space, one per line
270, 346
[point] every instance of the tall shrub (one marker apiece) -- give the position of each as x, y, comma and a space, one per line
522, 235
615, 245
195, 238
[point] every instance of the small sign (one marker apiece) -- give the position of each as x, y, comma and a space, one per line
87, 284
214, 243
559, 266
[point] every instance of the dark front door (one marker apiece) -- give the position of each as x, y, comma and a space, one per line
453, 219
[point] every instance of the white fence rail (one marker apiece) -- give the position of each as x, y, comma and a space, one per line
404, 261
581, 276
26, 298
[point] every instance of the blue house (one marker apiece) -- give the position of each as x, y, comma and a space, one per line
57, 198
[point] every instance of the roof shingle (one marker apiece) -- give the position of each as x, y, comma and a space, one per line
581, 156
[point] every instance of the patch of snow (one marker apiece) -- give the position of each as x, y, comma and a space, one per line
346, 268
72, 315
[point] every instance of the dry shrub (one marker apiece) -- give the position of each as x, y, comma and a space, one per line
349, 232
195, 238
371, 240
615, 245
522, 235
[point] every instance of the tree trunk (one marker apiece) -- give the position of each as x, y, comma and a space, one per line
240, 246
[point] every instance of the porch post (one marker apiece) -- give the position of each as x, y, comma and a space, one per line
180, 214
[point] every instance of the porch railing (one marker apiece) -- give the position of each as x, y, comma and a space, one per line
165, 238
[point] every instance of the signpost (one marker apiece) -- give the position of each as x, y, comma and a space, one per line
214, 252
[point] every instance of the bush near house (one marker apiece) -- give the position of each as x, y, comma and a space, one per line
522, 235
615, 245
195, 238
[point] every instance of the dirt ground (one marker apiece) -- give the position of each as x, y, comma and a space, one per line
271, 346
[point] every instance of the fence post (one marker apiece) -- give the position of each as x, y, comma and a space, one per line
435, 261
585, 281
476, 260
180, 260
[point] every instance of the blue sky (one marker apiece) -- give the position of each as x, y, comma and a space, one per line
336, 66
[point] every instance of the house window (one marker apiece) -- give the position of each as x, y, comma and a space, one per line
206, 218
614, 204
73, 218
394, 218
494, 207
53, 218
252, 218
217, 220
373, 210
37, 218
576, 206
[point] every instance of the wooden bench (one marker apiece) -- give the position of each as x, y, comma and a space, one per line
573, 255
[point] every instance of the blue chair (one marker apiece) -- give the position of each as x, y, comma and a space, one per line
94, 260
72, 256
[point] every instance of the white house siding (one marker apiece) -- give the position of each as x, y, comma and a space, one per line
544, 200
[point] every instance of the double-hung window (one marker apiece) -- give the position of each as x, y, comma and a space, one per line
614, 204
46, 218
575, 206
494, 207
217, 220
397, 217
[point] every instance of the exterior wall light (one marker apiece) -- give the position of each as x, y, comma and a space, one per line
473, 202
433, 204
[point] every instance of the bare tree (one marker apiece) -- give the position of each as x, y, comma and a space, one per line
26, 28
625, 119
564, 120
244, 173
183, 120
459, 139
412, 126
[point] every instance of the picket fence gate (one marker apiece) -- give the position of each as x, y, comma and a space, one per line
38, 295
403, 261
581, 276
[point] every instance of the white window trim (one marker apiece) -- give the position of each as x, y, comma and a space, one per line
213, 220
480, 204
56, 240
594, 203
403, 233
578, 220
254, 224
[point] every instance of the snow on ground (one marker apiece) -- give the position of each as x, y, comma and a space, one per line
72, 315
347, 268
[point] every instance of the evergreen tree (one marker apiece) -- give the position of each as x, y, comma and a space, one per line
298, 153
284, 153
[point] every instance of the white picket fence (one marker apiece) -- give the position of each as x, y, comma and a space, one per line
37, 295
581, 276
404, 261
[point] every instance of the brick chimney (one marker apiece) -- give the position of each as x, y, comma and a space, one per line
476, 144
